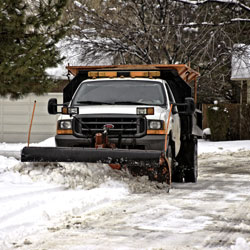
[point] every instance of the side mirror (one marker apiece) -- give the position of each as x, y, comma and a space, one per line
52, 106
190, 105
174, 109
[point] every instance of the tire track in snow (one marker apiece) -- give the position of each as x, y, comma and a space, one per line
5, 198
232, 172
210, 214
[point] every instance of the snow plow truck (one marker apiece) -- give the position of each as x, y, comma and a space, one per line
139, 117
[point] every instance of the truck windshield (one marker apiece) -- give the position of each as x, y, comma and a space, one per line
122, 92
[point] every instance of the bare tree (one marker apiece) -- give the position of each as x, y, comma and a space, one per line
163, 31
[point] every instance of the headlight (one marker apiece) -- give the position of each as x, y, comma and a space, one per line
65, 124
155, 125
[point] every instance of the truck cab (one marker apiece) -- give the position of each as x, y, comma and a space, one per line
137, 109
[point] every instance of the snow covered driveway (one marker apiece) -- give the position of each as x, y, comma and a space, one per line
89, 206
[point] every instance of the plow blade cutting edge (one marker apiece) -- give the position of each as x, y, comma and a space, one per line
78, 154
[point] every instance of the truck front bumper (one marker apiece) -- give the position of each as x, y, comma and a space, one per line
149, 142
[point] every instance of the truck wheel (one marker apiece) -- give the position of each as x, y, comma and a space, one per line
191, 169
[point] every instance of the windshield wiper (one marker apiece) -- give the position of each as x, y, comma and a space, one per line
93, 102
131, 103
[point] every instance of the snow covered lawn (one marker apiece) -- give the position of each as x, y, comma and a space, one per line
90, 206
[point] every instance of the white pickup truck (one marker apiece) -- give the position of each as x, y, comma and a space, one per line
131, 110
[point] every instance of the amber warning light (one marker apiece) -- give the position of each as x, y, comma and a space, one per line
133, 74
145, 111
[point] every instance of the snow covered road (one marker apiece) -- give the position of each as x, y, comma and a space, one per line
90, 206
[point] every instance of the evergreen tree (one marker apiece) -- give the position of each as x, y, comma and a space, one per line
28, 34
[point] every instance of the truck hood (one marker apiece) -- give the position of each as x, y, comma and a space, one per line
159, 112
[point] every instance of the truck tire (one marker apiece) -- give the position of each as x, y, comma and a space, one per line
191, 168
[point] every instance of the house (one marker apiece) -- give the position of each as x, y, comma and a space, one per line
15, 118
15, 115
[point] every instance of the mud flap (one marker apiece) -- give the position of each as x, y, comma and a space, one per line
77, 154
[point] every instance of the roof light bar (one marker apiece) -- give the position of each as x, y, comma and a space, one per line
133, 74
149, 74
108, 74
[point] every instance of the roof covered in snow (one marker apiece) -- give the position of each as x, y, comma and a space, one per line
241, 62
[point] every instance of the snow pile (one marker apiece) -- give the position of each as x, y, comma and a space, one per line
29, 203
222, 146
38, 198
206, 133
50, 142
14, 149
87, 176
241, 244
33, 195
11, 146
7, 163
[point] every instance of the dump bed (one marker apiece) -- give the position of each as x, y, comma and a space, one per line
178, 76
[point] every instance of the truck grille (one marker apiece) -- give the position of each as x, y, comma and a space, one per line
124, 125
